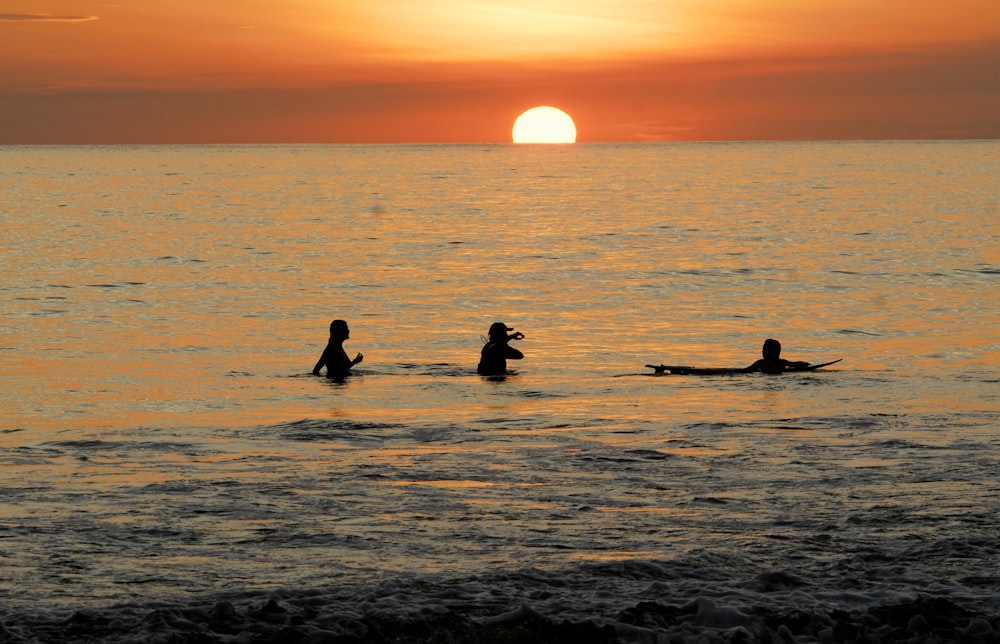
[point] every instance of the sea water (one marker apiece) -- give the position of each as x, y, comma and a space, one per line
171, 469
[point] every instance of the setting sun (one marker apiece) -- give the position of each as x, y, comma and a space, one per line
544, 124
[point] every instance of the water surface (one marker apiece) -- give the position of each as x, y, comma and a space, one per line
163, 442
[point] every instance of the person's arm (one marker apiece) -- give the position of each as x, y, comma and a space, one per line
323, 359
512, 353
754, 367
358, 358
796, 366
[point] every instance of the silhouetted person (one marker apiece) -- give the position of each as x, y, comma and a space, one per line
334, 357
496, 351
772, 362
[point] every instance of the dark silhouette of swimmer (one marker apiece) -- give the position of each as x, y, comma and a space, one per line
334, 357
772, 361
496, 351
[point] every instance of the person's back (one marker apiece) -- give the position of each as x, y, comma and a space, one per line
495, 353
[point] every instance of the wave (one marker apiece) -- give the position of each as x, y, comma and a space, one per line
708, 598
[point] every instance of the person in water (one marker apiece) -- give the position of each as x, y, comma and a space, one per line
497, 350
334, 357
772, 362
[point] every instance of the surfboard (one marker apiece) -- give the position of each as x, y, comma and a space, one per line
722, 371
694, 371
814, 367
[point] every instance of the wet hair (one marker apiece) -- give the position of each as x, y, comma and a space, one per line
772, 348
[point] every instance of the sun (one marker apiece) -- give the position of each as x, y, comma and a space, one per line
544, 124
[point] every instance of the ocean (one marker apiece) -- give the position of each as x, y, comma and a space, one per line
173, 472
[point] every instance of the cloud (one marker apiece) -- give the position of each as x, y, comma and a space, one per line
42, 17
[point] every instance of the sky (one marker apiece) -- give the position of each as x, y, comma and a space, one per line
461, 71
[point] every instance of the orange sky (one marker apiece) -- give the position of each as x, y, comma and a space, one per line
461, 71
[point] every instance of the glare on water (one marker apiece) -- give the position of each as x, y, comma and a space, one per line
162, 308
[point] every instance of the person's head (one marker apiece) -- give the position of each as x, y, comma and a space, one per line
772, 349
339, 330
499, 330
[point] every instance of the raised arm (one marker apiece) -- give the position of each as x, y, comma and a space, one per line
511, 352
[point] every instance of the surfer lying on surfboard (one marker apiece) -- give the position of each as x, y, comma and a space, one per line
772, 362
